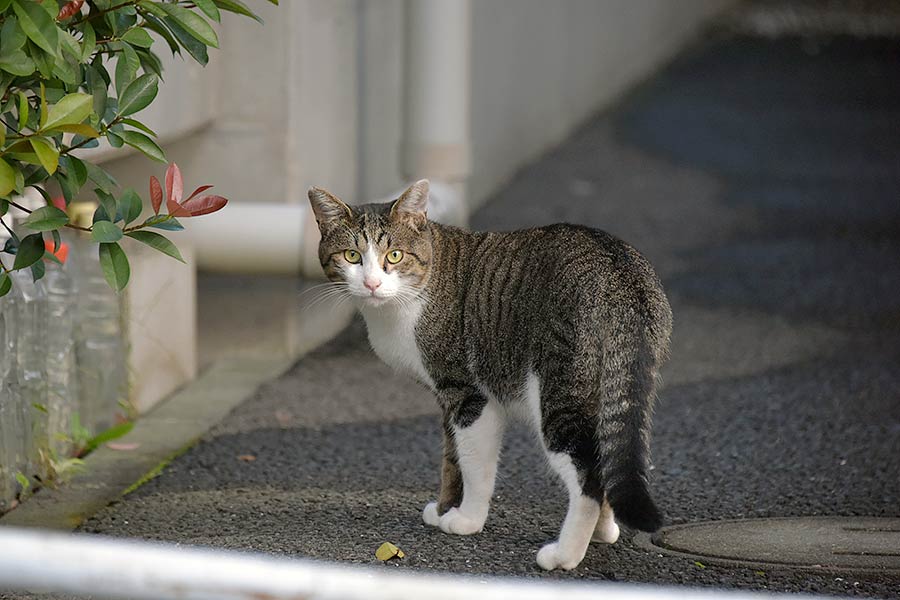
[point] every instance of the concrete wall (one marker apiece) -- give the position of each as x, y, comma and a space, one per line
540, 68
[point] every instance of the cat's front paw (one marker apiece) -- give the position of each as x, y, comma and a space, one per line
430, 515
552, 557
457, 523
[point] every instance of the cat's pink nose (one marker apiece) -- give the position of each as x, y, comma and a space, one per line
372, 284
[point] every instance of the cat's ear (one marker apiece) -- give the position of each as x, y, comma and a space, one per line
412, 206
328, 208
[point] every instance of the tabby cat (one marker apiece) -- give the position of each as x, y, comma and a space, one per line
563, 325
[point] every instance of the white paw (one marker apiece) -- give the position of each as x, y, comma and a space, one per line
607, 532
457, 523
430, 515
552, 557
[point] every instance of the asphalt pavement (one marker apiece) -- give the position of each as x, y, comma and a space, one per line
762, 178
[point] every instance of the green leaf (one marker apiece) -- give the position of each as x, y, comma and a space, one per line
7, 178
24, 110
57, 241
191, 22
98, 86
31, 249
75, 169
105, 232
138, 125
23, 481
164, 222
138, 36
88, 42
68, 43
209, 9
108, 204
37, 24
130, 206
17, 63
113, 433
105, 182
237, 7
155, 240
138, 94
5, 284
82, 129
143, 143
72, 108
38, 270
46, 218
126, 68
115, 266
156, 25
46, 153
11, 36
44, 111
195, 48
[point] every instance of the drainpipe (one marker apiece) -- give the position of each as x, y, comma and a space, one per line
436, 144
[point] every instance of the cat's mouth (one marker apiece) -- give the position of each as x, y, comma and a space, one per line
373, 299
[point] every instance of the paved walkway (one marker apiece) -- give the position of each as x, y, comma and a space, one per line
763, 180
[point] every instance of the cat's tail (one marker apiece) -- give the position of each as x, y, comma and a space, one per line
629, 368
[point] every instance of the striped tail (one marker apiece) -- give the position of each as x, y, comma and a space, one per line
629, 379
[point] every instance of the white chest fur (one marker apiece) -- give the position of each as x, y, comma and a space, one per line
392, 333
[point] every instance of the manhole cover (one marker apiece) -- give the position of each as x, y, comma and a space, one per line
826, 543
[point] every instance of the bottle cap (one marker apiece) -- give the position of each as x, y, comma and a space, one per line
82, 213
62, 253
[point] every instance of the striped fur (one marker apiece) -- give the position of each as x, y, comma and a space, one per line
566, 324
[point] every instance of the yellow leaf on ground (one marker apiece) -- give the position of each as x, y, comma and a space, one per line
387, 551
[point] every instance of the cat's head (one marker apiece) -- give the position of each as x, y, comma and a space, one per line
382, 252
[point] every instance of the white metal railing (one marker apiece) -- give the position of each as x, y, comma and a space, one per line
41, 561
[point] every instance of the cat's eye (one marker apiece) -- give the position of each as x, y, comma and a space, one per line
352, 256
395, 256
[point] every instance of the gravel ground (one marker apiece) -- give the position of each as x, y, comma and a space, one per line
762, 178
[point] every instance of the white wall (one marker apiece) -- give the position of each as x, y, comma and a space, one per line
540, 68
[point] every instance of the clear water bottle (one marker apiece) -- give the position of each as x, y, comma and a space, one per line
11, 445
31, 319
62, 383
99, 348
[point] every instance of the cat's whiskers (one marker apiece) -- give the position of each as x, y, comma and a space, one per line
335, 290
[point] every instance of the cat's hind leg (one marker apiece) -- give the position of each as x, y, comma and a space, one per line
477, 432
569, 441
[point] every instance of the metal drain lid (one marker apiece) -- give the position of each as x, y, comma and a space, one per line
845, 544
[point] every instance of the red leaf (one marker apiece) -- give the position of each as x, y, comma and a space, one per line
156, 195
202, 188
205, 205
59, 202
174, 188
69, 9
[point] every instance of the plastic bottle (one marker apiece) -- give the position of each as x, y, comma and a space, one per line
10, 433
99, 348
62, 383
31, 318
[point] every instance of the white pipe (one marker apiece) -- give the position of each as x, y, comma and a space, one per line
252, 237
437, 90
40, 561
